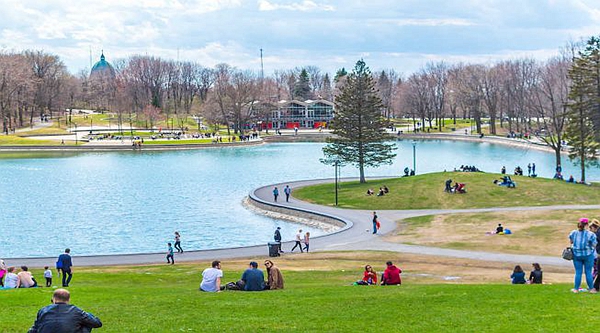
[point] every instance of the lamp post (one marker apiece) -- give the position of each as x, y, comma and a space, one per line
414, 144
91, 124
75, 133
336, 164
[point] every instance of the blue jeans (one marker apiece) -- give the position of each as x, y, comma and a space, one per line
374, 227
580, 263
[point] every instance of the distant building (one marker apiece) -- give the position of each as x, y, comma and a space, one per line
294, 113
102, 69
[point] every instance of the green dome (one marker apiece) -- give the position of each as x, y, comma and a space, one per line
103, 67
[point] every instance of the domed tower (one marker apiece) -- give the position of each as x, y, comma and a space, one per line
102, 69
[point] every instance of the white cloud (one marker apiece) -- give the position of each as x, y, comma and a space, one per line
304, 6
429, 22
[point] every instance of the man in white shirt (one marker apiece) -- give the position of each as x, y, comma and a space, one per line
298, 241
211, 278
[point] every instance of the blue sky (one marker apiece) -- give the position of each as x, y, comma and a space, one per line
403, 34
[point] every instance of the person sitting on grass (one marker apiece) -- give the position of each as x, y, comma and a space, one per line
211, 278
254, 279
386, 190
381, 192
274, 276
518, 276
370, 191
571, 179
391, 275
369, 277
499, 229
535, 277
61, 316
448, 186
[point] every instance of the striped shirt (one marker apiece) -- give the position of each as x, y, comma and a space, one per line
584, 243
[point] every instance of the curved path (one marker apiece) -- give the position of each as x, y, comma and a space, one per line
356, 235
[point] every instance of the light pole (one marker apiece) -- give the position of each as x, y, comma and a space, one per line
75, 133
336, 164
414, 144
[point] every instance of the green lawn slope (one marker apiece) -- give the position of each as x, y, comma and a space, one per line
166, 299
427, 192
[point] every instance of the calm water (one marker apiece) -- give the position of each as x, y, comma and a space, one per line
130, 202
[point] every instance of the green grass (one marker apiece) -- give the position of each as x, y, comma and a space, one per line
13, 140
427, 191
166, 299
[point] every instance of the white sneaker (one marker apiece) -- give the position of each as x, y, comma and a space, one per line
574, 291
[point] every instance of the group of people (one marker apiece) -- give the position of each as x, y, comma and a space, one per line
408, 172
9, 278
299, 240
253, 279
383, 190
287, 191
519, 171
171, 251
390, 277
535, 276
505, 181
456, 188
468, 168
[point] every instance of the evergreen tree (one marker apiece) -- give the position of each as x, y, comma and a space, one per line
584, 110
302, 89
340, 74
358, 127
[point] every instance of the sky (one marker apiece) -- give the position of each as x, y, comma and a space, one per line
403, 35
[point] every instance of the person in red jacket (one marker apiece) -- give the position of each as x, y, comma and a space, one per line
391, 276
370, 276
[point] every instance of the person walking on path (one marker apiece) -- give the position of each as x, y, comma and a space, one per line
170, 258
533, 169
178, 242
584, 244
64, 263
375, 222
287, 190
298, 242
275, 193
277, 238
306, 241
61, 316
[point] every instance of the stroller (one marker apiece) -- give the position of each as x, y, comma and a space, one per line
460, 188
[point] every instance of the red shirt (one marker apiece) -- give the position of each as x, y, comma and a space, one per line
392, 275
370, 275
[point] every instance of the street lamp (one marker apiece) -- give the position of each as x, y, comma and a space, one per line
336, 163
75, 133
414, 144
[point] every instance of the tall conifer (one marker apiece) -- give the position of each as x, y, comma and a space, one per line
358, 126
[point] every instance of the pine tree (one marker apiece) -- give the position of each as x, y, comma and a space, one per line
302, 89
584, 110
358, 127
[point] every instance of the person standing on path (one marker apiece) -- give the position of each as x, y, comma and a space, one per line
584, 244
374, 222
306, 241
178, 242
277, 238
533, 168
170, 258
287, 190
529, 170
298, 242
275, 193
65, 263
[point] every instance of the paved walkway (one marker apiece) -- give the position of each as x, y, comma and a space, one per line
356, 235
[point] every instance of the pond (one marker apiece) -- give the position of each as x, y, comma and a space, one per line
132, 202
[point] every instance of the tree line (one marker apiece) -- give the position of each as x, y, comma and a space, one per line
557, 99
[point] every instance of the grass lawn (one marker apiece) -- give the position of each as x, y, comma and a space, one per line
163, 298
427, 191
534, 232
14, 140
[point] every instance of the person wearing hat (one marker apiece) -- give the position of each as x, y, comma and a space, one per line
277, 238
595, 228
584, 244
254, 279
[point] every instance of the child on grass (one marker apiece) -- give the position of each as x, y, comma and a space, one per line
48, 276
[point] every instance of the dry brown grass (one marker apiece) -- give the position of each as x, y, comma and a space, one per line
416, 268
534, 232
